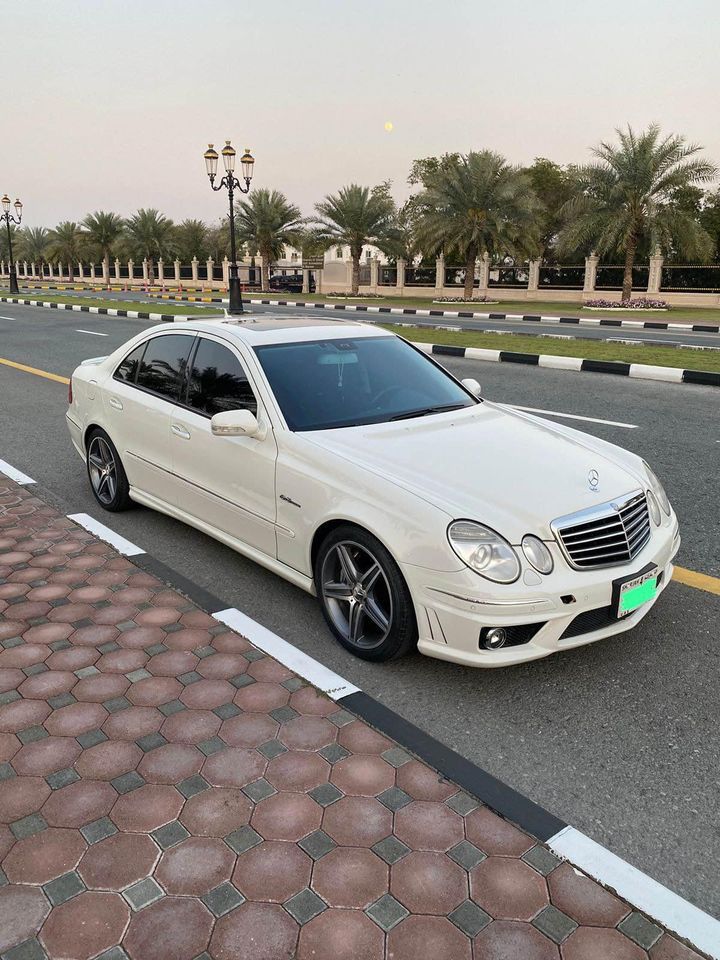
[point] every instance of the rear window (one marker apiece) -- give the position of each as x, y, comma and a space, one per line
163, 364
127, 371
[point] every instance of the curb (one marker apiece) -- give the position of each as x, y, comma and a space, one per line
639, 371
676, 914
469, 315
108, 311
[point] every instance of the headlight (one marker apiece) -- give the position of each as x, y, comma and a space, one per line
658, 489
484, 551
537, 553
653, 508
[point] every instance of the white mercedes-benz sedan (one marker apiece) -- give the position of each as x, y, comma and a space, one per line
348, 461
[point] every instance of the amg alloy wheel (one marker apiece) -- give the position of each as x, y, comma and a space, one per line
107, 477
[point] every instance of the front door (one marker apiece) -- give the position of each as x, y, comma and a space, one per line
226, 482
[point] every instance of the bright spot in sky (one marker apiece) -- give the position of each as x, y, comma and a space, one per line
388, 126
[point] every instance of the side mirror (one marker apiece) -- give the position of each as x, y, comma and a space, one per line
473, 386
236, 423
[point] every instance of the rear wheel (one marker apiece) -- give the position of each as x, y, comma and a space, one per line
105, 471
363, 595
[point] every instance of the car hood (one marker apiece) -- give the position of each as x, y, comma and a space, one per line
502, 467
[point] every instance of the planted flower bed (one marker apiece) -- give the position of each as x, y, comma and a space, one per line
640, 303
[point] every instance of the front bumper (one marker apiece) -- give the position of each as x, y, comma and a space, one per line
452, 608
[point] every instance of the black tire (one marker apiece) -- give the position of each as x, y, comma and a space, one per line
377, 623
111, 490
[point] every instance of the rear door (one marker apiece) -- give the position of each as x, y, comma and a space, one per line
226, 482
138, 402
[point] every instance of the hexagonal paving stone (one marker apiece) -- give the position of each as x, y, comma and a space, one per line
191, 726
171, 763
493, 835
122, 661
307, 733
85, 926
46, 756
101, 687
208, 694
22, 911
133, 723
508, 940
273, 871
344, 935
79, 803
597, 943
172, 927
12, 678
261, 697
108, 760
583, 900
195, 866
118, 861
137, 638
286, 816
234, 767
172, 663
417, 938
222, 666
216, 812
423, 783
297, 771
52, 683
154, 691
21, 796
357, 821
74, 659
350, 877
363, 776
20, 714
44, 856
508, 889
424, 825
255, 931
147, 808
429, 883
249, 730
75, 719
9, 746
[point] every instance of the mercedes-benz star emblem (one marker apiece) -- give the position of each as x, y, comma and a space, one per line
593, 479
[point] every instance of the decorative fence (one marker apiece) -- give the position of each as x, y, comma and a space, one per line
561, 278
693, 277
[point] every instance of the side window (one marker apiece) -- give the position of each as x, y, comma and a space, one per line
217, 381
127, 371
163, 365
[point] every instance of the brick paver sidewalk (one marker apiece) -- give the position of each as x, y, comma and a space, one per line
169, 792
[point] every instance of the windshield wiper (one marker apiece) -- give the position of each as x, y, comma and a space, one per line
425, 411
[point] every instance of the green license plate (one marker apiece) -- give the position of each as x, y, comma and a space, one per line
634, 593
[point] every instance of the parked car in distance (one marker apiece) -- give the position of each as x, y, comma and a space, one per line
291, 283
349, 462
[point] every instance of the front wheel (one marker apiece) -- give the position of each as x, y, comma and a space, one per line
363, 595
105, 471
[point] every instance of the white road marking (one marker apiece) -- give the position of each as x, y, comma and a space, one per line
94, 333
17, 475
321, 676
8, 318
575, 416
642, 891
122, 545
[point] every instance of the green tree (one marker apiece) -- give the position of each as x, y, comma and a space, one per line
357, 216
553, 185
710, 221
149, 236
32, 245
191, 240
629, 198
265, 222
475, 204
66, 245
218, 240
102, 230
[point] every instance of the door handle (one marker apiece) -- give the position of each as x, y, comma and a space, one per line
180, 431
114, 402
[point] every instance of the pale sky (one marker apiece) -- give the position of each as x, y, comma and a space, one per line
110, 104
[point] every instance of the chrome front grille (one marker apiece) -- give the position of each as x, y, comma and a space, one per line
607, 535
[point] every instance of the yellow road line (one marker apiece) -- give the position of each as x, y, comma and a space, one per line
38, 373
691, 578
701, 581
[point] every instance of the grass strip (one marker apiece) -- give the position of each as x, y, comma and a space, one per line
586, 349
150, 306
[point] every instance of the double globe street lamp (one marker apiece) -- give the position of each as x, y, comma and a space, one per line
9, 218
231, 183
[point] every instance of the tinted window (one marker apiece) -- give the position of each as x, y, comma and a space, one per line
342, 383
217, 381
163, 365
127, 371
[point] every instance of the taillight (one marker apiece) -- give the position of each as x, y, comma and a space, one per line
70, 392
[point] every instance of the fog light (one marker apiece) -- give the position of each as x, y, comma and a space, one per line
495, 638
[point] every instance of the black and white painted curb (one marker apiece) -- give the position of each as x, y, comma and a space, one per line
470, 315
106, 311
652, 898
640, 371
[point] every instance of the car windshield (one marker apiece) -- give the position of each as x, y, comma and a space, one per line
323, 384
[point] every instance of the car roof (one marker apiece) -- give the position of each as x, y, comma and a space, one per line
263, 329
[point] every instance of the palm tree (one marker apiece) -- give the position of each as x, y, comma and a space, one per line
66, 245
628, 198
475, 204
149, 235
356, 216
32, 244
191, 239
265, 222
102, 232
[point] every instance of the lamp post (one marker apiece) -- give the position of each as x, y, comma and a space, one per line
231, 183
9, 218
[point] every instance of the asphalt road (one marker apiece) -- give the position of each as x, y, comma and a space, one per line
619, 738
547, 329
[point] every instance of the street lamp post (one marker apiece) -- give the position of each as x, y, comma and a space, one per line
231, 183
9, 218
